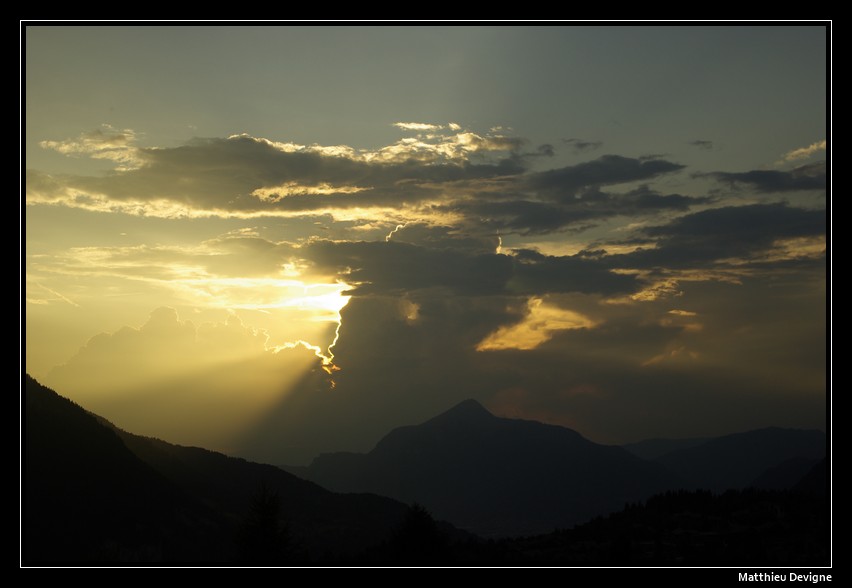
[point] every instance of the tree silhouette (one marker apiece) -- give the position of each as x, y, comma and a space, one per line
418, 540
264, 539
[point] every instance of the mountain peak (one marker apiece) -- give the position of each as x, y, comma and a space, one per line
467, 410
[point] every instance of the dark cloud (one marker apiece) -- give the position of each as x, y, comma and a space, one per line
442, 237
600, 380
425, 296
395, 268
246, 174
806, 177
580, 145
394, 371
565, 183
524, 216
546, 150
379, 268
644, 199
596, 380
588, 206
482, 181
734, 232
224, 173
535, 273
702, 144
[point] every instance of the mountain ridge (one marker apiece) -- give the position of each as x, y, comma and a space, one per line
736, 460
494, 475
93, 492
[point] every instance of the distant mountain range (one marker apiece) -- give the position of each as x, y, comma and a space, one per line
655, 448
785, 475
93, 493
496, 476
771, 458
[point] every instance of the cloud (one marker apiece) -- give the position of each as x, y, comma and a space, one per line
538, 326
592, 379
395, 369
720, 236
38, 293
174, 344
636, 307
244, 271
186, 383
246, 177
250, 177
457, 146
289, 189
580, 145
440, 237
394, 267
382, 268
535, 273
457, 179
805, 152
702, 144
104, 143
675, 355
579, 360
805, 177
528, 216
544, 150
443, 216
565, 183
236, 271
524, 216
225, 256
414, 126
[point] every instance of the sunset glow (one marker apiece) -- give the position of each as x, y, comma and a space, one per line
281, 241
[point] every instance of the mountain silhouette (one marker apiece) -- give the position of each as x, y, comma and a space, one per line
494, 476
87, 498
321, 521
785, 475
736, 461
95, 494
656, 448
815, 481
741, 528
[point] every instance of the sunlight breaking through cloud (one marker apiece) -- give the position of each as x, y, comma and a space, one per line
478, 220
543, 320
327, 356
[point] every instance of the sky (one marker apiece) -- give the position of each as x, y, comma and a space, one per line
280, 241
